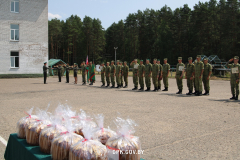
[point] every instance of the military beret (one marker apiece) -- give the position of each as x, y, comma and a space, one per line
75, 63
236, 57
158, 60
112, 61
189, 58
147, 59
135, 59
44, 62
141, 60
198, 56
108, 62
125, 61
118, 61
165, 59
179, 58
205, 59
102, 62
155, 59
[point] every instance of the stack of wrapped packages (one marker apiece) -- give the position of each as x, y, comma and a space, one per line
67, 135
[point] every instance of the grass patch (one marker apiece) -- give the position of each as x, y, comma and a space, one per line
20, 75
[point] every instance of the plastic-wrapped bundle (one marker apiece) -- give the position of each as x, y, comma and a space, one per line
61, 144
83, 120
88, 149
34, 128
65, 112
47, 135
124, 141
101, 133
23, 122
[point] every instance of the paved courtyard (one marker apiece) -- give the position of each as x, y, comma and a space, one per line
170, 126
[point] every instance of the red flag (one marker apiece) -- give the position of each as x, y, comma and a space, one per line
87, 60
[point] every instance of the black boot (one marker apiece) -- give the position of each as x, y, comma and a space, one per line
179, 92
196, 93
113, 86
140, 89
135, 88
103, 85
188, 92
236, 98
155, 89
148, 89
107, 85
206, 93
166, 89
199, 94
117, 86
125, 86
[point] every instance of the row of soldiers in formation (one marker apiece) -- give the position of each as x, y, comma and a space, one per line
196, 74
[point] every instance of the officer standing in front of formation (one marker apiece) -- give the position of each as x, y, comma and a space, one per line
141, 70
118, 70
75, 70
103, 70
166, 70
155, 73
66, 66
189, 75
179, 75
160, 74
107, 74
206, 76
125, 71
45, 68
147, 74
134, 65
113, 71
83, 68
121, 75
235, 76
199, 68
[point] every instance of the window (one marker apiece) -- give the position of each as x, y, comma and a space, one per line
15, 6
14, 56
14, 32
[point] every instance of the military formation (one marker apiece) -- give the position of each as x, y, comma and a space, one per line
197, 75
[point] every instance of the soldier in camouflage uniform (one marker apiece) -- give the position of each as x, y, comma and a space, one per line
45, 68
113, 71
66, 66
189, 75
103, 70
199, 68
206, 76
83, 68
147, 74
235, 76
134, 65
155, 73
121, 75
160, 74
59, 70
166, 70
194, 84
118, 72
107, 74
141, 69
179, 75
125, 71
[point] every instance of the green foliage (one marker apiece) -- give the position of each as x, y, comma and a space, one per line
211, 28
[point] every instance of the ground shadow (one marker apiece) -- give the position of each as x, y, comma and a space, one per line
226, 100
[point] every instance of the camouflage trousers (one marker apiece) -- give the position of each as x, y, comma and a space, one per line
141, 83
118, 81
194, 84
165, 80
84, 78
108, 80
190, 84
112, 79
206, 83
148, 81
103, 79
234, 86
159, 83
126, 79
179, 82
121, 79
155, 80
135, 80
198, 83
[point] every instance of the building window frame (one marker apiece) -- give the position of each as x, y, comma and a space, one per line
14, 2
14, 33
14, 58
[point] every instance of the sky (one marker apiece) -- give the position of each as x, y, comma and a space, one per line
109, 11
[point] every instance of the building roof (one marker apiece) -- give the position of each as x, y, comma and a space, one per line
52, 62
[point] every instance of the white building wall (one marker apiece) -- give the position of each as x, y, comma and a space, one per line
33, 36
